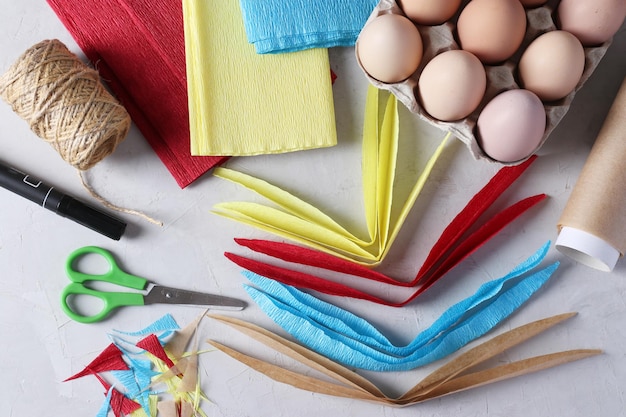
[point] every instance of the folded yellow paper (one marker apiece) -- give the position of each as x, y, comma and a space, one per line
243, 103
301, 222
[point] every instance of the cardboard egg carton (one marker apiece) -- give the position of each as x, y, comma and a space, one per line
437, 39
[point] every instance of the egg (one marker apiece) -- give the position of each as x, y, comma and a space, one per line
511, 126
592, 21
533, 3
492, 29
389, 48
451, 85
552, 65
429, 12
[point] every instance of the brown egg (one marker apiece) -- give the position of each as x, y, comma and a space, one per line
429, 12
492, 29
552, 65
389, 48
452, 85
592, 21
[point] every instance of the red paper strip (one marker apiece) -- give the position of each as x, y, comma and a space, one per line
441, 259
121, 405
152, 344
453, 232
110, 359
304, 280
138, 48
474, 209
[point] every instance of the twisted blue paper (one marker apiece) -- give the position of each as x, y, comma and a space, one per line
346, 338
276, 26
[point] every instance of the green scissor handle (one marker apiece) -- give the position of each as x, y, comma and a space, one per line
110, 300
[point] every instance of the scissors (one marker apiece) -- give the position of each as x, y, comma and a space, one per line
112, 300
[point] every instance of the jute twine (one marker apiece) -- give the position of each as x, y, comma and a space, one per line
65, 104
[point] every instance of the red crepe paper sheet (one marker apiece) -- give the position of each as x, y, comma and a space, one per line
138, 48
448, 251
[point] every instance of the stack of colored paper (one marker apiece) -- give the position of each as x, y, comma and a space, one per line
243, 103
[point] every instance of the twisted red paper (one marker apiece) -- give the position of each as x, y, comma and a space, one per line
442, 258
138, 48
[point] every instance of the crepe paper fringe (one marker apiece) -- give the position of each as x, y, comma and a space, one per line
352, 341
119, 403
137, 375
152, 344
301, 222
125, 40
454, 376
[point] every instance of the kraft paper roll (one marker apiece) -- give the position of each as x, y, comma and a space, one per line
592, 228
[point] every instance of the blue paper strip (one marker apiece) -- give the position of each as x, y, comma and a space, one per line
346, 338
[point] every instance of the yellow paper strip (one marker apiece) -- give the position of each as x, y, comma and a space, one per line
287, 201
303, 223
243, 103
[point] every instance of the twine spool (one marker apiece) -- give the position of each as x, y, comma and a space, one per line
65, 103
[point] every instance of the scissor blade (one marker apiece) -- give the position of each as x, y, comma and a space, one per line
166, 295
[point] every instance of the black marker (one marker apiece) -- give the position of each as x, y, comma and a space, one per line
35, 190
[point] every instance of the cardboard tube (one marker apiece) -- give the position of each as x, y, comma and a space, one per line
592, 228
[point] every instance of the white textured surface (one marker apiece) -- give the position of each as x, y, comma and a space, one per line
41, 347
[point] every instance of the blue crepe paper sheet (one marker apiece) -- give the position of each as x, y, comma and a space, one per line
278, 26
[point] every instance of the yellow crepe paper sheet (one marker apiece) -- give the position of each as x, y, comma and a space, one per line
296, 220
243, 103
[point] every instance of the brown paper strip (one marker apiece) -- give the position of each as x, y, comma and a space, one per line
484, 352
302, 355
177, 345
295, 379
511, 370
442, 382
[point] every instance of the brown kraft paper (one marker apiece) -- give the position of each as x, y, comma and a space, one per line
597, 204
